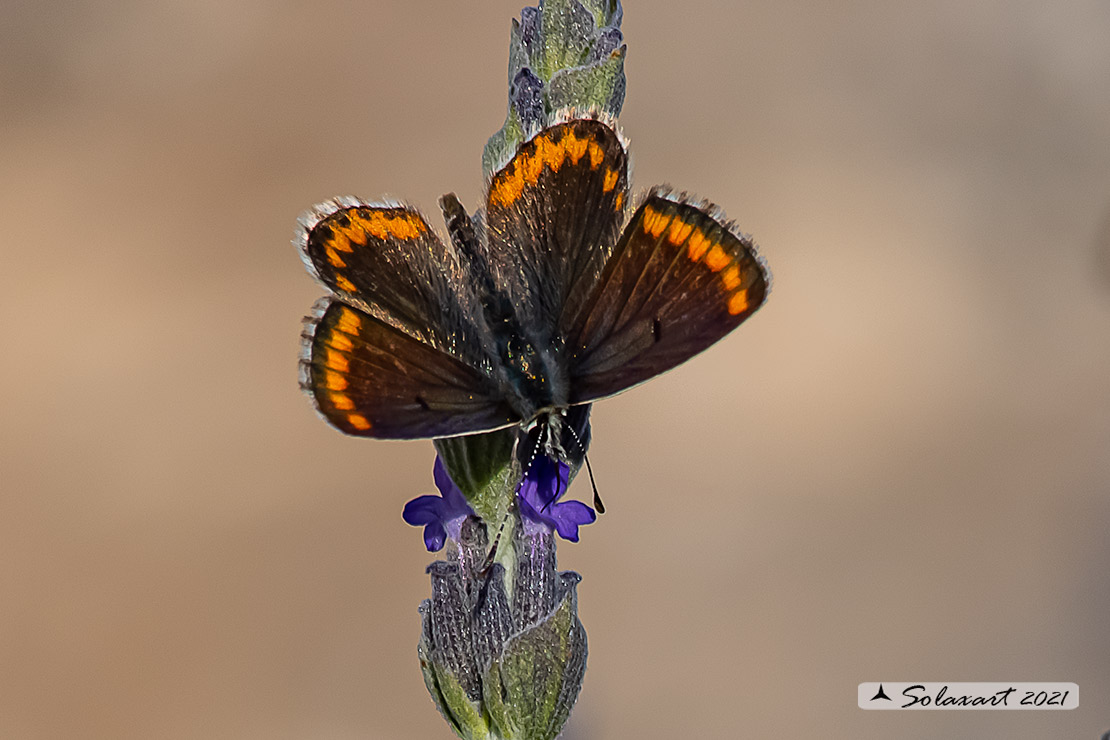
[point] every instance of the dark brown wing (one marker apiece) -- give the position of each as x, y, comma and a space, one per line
678, 280
386, 259
553, 215
371, 379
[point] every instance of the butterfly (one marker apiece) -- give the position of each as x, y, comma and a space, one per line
538, 305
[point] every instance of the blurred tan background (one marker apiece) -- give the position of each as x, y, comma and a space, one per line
898, 470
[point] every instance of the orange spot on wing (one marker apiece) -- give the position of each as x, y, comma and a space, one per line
679, 231
334, 381
731, 277
550, 153
335, 360
405, 227
738, 303
358, 421
717, 259
375, 225
507, 188
610, 181
697, 246
344, 284
619, 204
530, 166
333, 257
596, 155
574, 146
348, 322
655, 222
353, 233
340, 341
356, 231
339, 242
341, 402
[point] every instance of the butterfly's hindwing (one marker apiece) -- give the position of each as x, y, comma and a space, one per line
371, 379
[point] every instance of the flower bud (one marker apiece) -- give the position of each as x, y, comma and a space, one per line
500, 664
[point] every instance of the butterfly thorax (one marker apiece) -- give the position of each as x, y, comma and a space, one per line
528, 371
524, 358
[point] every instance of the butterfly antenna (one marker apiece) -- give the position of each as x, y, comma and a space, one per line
532, 457
597, 496
593, 484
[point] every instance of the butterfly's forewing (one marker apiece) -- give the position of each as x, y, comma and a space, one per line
553, 214
386, 259
678, 280
371, 379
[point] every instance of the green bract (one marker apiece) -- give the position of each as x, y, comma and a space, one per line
481, 466
562, 54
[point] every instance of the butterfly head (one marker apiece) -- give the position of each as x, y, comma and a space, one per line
559, 433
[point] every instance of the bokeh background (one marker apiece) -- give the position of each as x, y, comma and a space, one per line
898, 470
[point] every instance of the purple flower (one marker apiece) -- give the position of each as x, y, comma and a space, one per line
440, 517
543, 485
